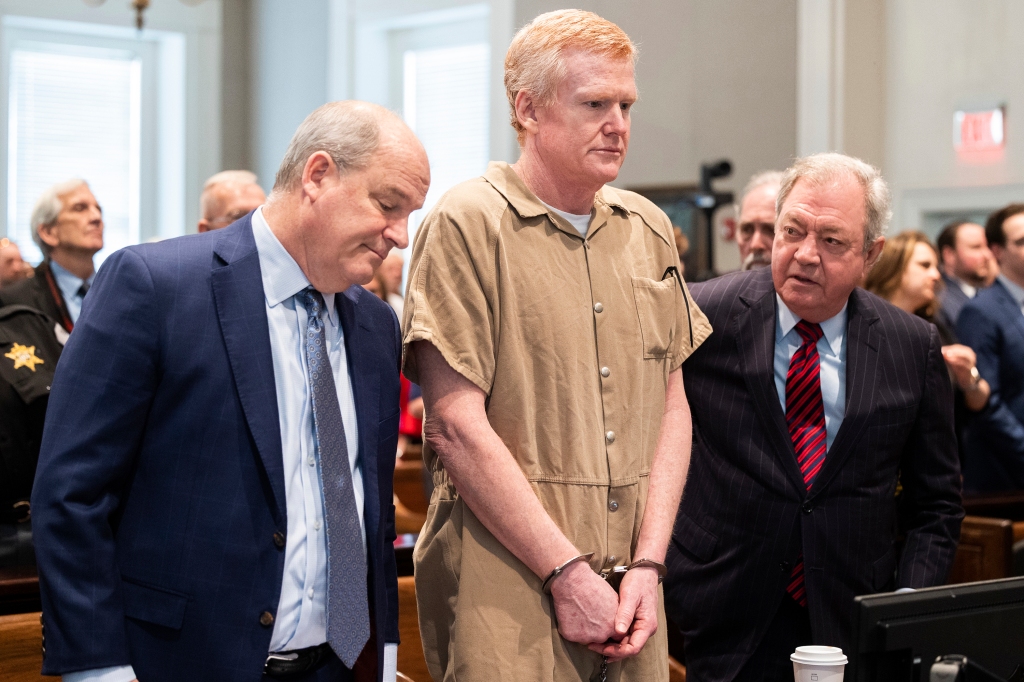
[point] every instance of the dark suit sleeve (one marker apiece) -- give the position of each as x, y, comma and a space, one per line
930, 506
98, 407
390, 565
1003, 432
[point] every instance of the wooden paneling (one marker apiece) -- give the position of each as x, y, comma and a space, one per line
985, 551
409, 485
21, 653
410, 652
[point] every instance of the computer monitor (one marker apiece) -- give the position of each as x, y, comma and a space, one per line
983, 621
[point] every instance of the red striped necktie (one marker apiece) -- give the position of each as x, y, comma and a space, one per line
805, 416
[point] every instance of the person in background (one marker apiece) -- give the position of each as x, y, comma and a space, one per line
391, 269
992, 323
966, 263
818, 399
29, 351
228, 196
755, 224
13, 267
907, 275
67, 226
682, 248
213, 499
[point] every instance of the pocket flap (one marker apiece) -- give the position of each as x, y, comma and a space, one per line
694, 539
153, 604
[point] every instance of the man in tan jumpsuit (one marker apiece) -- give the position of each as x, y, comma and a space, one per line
547, 328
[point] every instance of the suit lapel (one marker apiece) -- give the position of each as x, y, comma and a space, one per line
756, 332
364, 369
861, 377
241, 307
1013, 311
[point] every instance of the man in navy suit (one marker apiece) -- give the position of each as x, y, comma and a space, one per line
214, 493
967, 266
811, 402
993, 325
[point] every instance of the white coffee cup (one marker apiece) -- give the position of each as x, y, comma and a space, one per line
818, 664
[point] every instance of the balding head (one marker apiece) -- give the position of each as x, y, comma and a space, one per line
350, 132
350, 178
228, 196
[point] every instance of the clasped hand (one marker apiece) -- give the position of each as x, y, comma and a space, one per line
590, 612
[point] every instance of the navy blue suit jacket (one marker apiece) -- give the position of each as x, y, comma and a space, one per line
160, 483
951, 302
992, 324
746, 515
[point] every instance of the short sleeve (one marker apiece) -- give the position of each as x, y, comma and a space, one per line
449, 300
693, 326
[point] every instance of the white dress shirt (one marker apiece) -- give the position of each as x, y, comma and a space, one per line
831, 362
301, 619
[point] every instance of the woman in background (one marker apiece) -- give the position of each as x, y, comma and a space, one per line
907, 275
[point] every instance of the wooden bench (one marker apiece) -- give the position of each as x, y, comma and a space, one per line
985, 551
21, 648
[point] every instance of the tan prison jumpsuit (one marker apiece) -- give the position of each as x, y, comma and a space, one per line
572, 340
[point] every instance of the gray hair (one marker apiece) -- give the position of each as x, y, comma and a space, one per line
227, 177
48, 207
760, 179
349, 131
830, 167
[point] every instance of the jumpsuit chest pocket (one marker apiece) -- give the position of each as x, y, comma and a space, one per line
656, 309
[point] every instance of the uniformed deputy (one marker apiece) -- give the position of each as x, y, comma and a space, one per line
29, 350
546, 323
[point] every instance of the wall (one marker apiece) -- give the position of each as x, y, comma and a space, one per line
289, 76
945, 55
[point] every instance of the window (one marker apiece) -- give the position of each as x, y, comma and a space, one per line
101, 103
445, 101
74, 113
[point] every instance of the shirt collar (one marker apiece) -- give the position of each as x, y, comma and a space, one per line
69, 284
1015, 289
833, 328
501, 176
282, 276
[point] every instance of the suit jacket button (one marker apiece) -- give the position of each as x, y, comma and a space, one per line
807, 508
266, 619
279, 539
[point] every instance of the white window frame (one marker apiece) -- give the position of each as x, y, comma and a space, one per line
161, 173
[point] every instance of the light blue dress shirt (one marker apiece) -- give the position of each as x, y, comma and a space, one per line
69, 286
301, 619
832, 362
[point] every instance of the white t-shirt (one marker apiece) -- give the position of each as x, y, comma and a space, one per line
580, 222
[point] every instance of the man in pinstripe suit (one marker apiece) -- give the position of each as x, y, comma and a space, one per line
812, 401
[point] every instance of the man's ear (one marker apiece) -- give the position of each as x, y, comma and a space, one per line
997, 251
873, 253
204, 225
48, 235
319, 168
526, 111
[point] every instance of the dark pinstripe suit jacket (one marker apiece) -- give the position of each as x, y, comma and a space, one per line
746, 516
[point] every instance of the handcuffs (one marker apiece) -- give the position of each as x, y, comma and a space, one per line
612, 575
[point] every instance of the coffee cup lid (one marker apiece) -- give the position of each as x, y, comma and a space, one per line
822, 655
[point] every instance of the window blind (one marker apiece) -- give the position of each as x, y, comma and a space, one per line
446, 103
74, 115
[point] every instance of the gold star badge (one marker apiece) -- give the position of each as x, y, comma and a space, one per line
24, 356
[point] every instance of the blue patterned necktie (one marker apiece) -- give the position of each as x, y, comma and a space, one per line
348, 613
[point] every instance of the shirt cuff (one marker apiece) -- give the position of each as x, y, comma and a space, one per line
905, 589
119, 673
390, 662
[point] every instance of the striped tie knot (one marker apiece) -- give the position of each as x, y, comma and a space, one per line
810, 332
